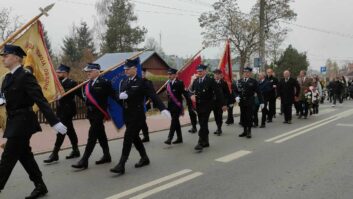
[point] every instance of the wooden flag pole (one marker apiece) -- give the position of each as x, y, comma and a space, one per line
34, 19
103, 73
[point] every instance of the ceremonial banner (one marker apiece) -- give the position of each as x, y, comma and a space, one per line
38, 61
225, 65
186, 73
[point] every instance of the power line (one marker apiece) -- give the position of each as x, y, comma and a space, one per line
166, 7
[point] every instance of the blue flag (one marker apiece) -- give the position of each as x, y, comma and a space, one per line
114, 109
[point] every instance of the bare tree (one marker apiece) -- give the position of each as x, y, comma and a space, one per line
8, 23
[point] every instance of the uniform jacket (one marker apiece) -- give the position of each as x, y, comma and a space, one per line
22, 91
66, 106
137, 90
246, 90
205, 92
101, 90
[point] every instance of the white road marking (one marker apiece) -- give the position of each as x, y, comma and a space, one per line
298, 129
345, 125
305, 131
294, 133
168, 185
149, 184
233, 156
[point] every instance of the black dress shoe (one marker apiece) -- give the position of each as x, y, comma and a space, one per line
145, 139
104, 159
119, 169
82, 164
74, 154
178, 141
285, 122
40, 191
262, 126
198, 147
269, 121
289, 122
230, 123
300, 117
143, 162
243, 134
192, 130
249, 136
52, 158
206, 145
168, 142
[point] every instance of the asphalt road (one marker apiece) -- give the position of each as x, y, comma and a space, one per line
309, 159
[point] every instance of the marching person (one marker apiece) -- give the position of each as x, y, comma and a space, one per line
95, 94
288, 91
217, 104
20, 91
205, 90
133, 91
65, 110
266, 90
304, 83
191, 108
175, 92
230, 117
273, 94
145, 132
245, 96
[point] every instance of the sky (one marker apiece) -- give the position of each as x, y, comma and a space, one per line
181, 34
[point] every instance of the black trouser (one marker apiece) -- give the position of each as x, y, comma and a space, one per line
255, 115
271, 107
337, 96
67, 121
18, 149
218, 115
315, 108
304, 108
96, 132
144, 129
132, 137
203, 116
230, 118
287, 111
193, 117
246, 116
297, 107
175, 125
265, 113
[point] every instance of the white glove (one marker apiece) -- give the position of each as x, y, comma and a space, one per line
231, 105
60, 128
237, 99
166, 114
2, 101
123, 96
262, 106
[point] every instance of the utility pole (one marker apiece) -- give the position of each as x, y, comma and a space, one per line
262, 35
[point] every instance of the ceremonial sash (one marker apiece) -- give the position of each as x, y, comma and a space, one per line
174, 99
94, 102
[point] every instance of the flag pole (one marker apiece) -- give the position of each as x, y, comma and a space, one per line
34, 19
103, 73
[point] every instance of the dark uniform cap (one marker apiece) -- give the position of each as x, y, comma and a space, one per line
14, 50
247, 69
63, 68
172, 71
91, 67
201, 67
131, 63
217, 71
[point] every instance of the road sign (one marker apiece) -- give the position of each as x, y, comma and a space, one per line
323, 69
